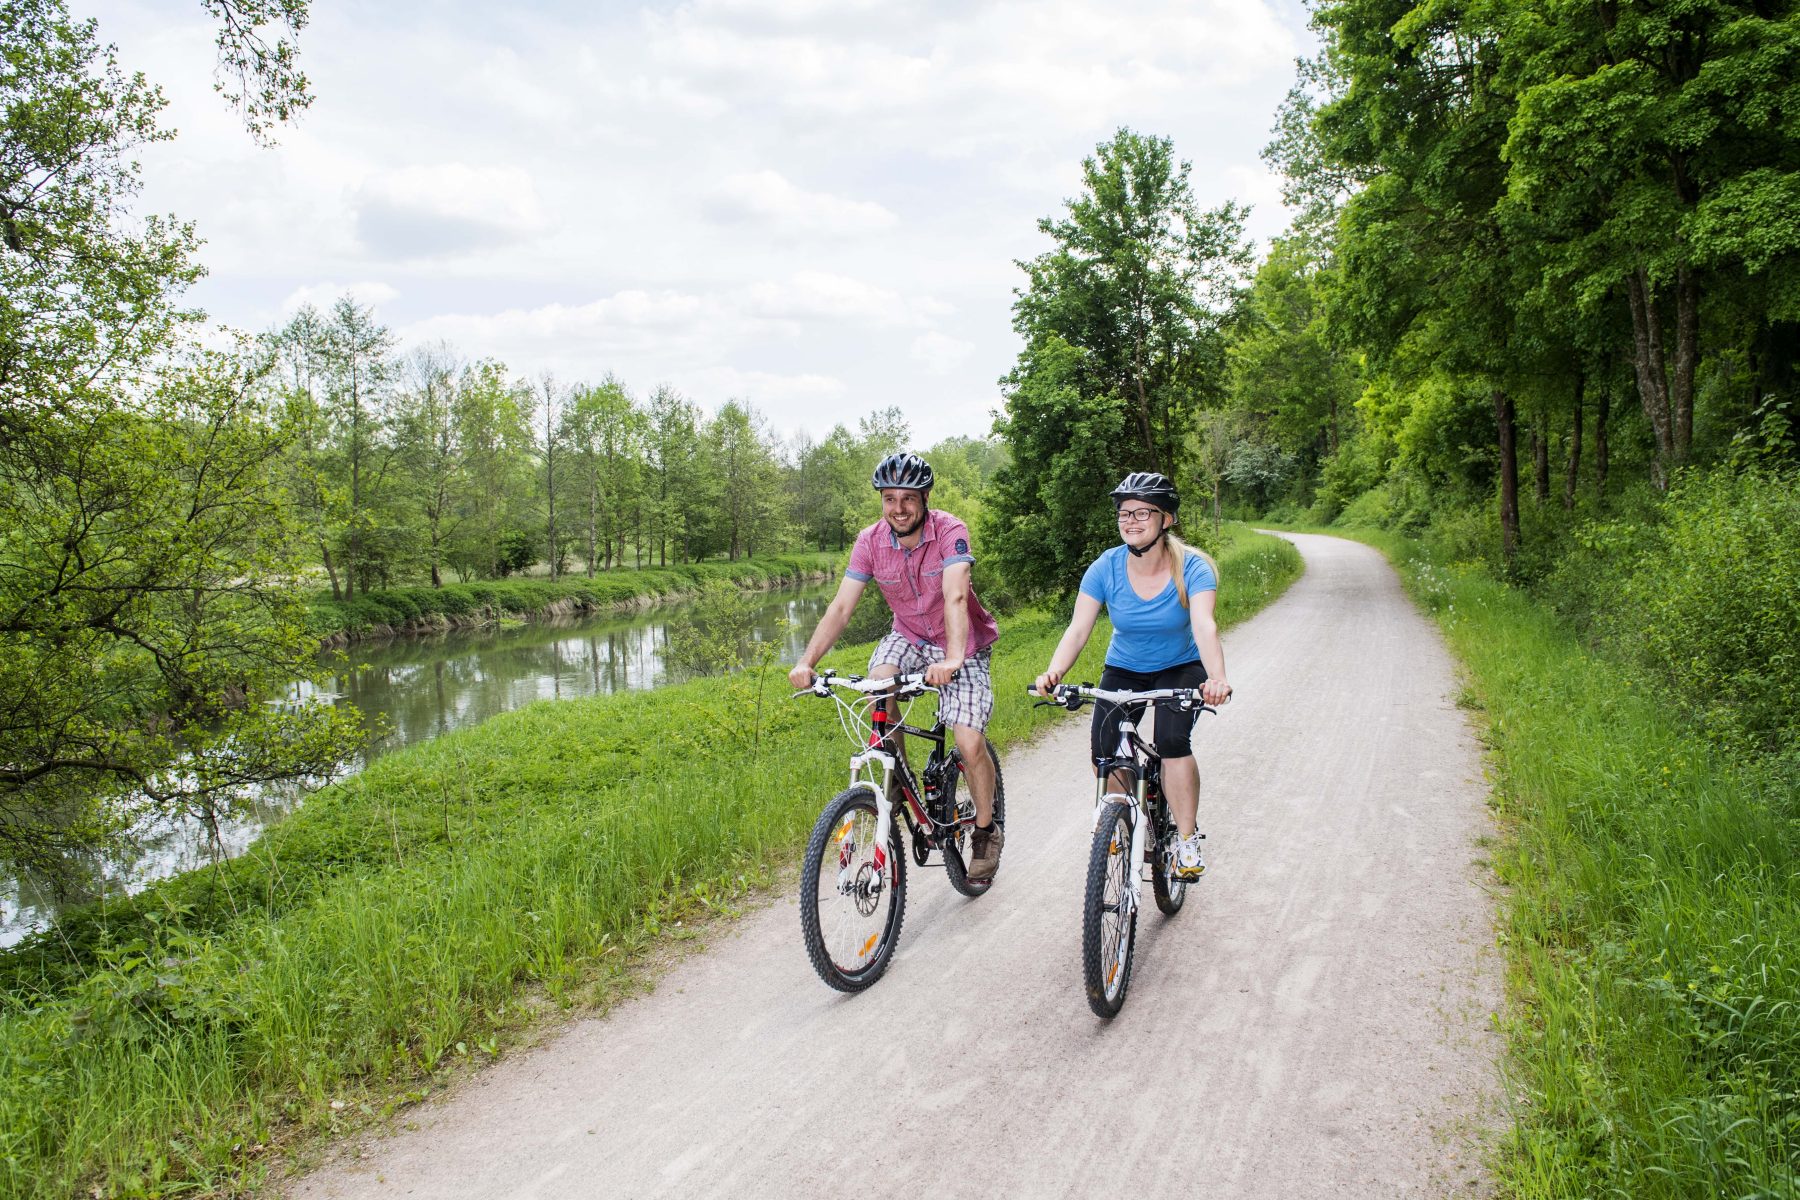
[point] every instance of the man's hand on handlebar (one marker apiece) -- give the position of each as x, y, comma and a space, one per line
801, 676
940, 673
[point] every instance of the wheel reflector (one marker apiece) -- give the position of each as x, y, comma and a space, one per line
868, 945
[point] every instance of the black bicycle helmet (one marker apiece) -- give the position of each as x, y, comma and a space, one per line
1150, 487
902, 469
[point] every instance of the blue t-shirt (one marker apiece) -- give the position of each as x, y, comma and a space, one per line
1148, 635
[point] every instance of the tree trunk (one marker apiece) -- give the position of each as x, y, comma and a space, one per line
337, 591
1602, 450
1540, 464
593, 521
1687, 360
1509, 475
1574, 473
550, 486
351, 557
1652, 374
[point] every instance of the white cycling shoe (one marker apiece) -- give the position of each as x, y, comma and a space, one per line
1189, 862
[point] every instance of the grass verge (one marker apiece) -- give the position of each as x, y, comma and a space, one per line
383, 612
1652, 926
401, 923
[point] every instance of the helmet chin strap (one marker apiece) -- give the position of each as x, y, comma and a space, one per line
1149, 546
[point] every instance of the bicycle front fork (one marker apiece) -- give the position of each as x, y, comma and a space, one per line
1136, 817
884, 803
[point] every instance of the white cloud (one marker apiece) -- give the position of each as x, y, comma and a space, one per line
767, 199
939, 352
371, 293
766, 388
624, 321
821, 296
421, 211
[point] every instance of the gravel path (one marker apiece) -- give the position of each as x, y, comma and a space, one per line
1316, 1021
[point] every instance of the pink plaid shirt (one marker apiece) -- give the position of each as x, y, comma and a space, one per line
912, 581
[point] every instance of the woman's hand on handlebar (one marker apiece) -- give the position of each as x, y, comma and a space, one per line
1215, 692
1046, 683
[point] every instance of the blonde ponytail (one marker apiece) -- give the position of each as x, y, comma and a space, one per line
1178, 552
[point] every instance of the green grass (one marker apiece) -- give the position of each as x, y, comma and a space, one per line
396, 607
401, 924
1651, 921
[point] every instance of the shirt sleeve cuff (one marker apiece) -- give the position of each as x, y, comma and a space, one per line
956, 558
859, 576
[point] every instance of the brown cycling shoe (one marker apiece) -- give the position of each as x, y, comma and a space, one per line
984, 851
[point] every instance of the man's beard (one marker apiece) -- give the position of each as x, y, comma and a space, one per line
901, 533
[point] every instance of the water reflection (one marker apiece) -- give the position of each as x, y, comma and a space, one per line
411, 690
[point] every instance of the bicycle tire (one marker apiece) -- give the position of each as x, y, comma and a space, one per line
954, 866
1106, 969
844, 958
1170, 892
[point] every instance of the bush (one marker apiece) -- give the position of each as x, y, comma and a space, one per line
1712, 603
872, 619
714, 634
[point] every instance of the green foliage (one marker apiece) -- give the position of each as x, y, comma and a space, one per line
1711, 604
714, 634
873, 619
1122, 323
140, 501
1286, 369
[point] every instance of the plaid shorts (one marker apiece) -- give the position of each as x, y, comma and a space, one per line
966, 700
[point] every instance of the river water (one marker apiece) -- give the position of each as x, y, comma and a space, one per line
414, 689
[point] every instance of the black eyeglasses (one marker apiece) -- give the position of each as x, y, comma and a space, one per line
1137, 514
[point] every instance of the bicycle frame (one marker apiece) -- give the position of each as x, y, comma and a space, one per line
1134, 757
882, 755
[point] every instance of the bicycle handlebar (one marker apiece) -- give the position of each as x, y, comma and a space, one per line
1072, 696
904, 687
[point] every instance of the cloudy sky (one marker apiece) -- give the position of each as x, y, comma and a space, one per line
811, 205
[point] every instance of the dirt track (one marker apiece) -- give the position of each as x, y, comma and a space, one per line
1314, 1023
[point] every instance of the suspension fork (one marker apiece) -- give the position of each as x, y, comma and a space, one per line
1137, 813
878, 754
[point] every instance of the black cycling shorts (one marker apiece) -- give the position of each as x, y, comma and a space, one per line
1174, 737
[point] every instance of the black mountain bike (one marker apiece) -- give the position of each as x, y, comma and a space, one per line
1132, 827
853, 882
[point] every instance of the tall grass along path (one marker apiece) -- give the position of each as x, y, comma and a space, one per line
1319, 1020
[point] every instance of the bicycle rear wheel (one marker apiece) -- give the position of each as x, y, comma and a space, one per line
852, 893
963, 806
1109, 913
1171, 892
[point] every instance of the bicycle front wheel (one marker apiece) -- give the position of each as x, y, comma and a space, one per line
1109, 913
852, 892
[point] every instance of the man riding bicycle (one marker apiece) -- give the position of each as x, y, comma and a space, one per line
921, 560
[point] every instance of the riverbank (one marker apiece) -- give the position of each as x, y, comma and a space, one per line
1651, 913
397, 612
402, 923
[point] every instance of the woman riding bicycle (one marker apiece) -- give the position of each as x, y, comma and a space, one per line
1160, 594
